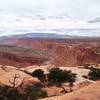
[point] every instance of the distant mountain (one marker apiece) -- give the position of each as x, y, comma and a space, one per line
12, 38
41, 35
38, 35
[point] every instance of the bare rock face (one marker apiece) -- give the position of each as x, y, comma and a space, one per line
59, 52
20, 57
66, 53
73, 56
20, 62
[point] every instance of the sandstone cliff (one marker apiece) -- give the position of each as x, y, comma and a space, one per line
65, 53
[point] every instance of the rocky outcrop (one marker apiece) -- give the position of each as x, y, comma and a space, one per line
60, 52
19, 58
66, 53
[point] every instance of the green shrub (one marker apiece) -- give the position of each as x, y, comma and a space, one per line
35, 93
94, 74
29, 93
57, 75
39, 74
8, 93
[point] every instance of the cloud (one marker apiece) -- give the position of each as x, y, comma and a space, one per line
48, 15
95, 20
73, 8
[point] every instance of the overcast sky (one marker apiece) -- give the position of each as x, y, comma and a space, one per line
20, 16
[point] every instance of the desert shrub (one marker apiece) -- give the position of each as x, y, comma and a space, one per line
38, 84
1, 97
8, 93
71, 78
34, 93
94, 74
57, 75
39, 74
29, 93
86, 66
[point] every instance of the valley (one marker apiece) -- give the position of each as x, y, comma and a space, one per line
21, 56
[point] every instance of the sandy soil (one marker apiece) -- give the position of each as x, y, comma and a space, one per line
9, 73
91, 92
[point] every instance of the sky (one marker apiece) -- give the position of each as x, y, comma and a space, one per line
26, 16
